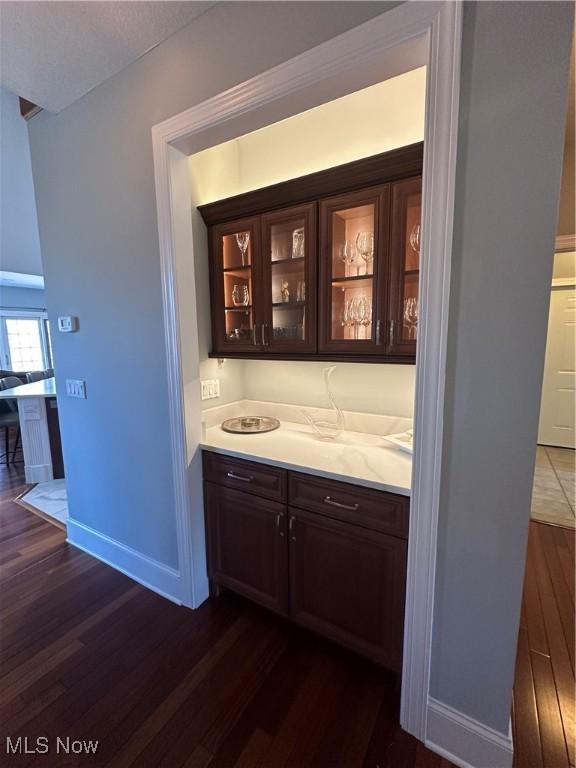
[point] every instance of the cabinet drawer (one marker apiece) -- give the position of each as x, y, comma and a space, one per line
377, 510
247, 476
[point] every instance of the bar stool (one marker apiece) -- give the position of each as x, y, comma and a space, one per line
35, 376
9, 418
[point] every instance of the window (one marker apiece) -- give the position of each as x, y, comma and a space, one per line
26, 343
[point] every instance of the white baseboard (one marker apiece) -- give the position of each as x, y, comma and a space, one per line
145, 570
465, 741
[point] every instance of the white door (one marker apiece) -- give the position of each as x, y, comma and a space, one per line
557, 410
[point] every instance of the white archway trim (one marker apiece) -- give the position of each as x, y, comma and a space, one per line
439, 25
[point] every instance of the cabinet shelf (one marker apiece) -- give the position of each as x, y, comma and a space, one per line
231, 270
243, 308
276, 262
289, 304
351, 279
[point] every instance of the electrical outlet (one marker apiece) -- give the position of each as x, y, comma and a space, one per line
209, 388
76, 388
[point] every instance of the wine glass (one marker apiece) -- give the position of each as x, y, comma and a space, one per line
243, 240
240, 296
366, 314
365, 246
298, 243
348, 256
411, 316
415, 238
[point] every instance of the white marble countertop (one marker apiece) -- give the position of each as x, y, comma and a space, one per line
43, 388
354, 457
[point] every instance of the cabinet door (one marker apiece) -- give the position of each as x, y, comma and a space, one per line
405, 265
289, 262
247, 549
354, 272
348, 583
235, 277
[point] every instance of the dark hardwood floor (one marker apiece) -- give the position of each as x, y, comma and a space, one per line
86, 653
544, 698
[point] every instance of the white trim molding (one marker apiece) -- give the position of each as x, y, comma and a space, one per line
563, 282
565, 243
35, 439
431, 31
145, 570
464, 741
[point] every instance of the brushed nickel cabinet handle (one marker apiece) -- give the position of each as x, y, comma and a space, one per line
254, 332
332, 503
291, 528
279, 519
378, 332
264, 329
243, 478
391, 334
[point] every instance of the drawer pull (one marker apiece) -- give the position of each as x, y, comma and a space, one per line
243, 478
332, 503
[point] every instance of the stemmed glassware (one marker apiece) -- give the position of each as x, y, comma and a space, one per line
243, 240
365, 314
240, 296
348, 256
365, 246
411, 316
415, 238
298, 243
357, 313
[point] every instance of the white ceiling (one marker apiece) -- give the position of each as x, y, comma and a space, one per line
51, 53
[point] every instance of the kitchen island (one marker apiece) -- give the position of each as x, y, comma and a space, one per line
40, 430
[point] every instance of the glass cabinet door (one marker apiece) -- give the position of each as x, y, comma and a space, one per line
235, 248
405, 265
353, 270
289, 280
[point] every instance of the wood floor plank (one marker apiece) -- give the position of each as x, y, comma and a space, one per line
527, 746
554, 750
534, 617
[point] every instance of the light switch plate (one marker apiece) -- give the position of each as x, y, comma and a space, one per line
76, 388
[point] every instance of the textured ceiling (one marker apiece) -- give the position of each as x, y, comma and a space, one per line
52, 53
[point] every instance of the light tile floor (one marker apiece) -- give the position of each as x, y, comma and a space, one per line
554, 490
49, 498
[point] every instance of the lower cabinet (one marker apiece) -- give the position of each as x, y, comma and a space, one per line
348, 583
340, 571
247, 545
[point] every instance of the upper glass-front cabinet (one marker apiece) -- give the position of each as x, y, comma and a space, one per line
304, 270
289, 280
353, 272
405, 262
235, 303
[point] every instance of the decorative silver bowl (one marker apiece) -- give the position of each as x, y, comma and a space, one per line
250, 425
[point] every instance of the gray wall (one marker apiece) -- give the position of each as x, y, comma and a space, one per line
94, 183
19, 242
514, 87
21, 298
